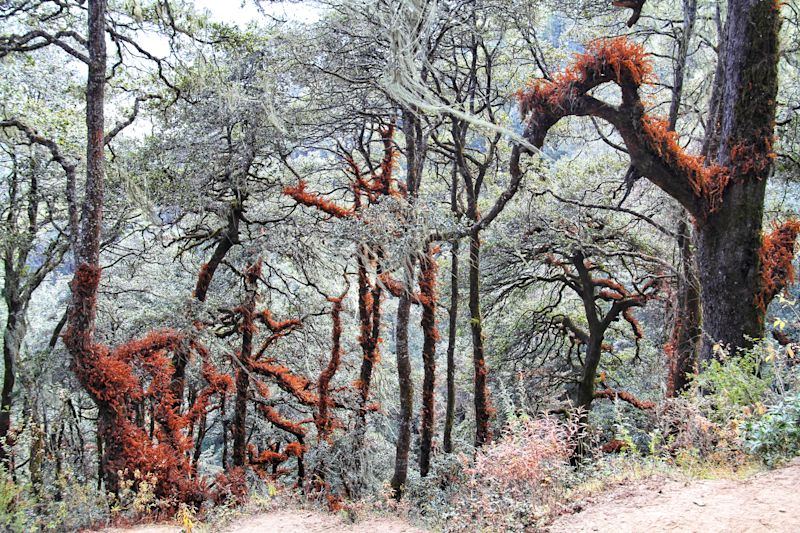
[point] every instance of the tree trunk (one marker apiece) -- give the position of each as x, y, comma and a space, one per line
730, 278
683, 345
428, 298
369, 309
12, 342
79, 337
584, 393
239, 428
242, 373
730, 240
406, 395
482, 406
452, 330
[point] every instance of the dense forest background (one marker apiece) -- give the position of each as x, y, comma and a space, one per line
454, 253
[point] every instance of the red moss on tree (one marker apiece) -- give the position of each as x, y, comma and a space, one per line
776, 255
302, 196
324, 422
612, 394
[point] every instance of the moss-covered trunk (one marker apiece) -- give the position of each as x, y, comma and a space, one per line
729, 239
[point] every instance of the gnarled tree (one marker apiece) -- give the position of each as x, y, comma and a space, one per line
724, 192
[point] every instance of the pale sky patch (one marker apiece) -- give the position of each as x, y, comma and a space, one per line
233, 12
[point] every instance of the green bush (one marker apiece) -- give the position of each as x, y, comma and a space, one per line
775, 436
733, 383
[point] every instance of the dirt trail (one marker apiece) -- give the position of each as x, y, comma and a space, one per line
766, 502
291, 521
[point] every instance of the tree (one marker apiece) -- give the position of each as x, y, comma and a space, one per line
578, 273
34, 244
724, 193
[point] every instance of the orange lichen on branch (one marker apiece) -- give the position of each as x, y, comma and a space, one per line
707, 181
324, 422
281, 422
753, 158
277, 326
296, 385
295, 449
397, 288
610, 284
615, 59
86, 280
203, 280
302, 196
636, 326
612, 394
389, 161
776, 255
266, 457
610, 295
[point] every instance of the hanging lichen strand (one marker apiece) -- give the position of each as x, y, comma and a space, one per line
123, 381
367, 190
776, 254
625, 63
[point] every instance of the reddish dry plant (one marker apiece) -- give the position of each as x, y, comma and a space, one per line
776, 255
524, 454
135, 374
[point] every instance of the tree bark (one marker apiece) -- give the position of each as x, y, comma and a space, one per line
79, 337
406, 395
428, 300
239, 429
482, 406
12, 342
730, 270
729, 241
452, 330
682, 349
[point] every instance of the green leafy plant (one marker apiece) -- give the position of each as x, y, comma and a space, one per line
775, 436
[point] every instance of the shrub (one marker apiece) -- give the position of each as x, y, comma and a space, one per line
517, 483
774, 436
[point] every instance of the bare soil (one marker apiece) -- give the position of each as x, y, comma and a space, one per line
292, 521
768, 501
